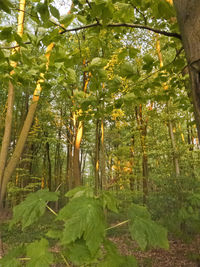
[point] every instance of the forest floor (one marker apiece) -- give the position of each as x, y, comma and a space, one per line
180, 253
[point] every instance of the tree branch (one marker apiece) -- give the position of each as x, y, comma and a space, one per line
13, 47
135, 26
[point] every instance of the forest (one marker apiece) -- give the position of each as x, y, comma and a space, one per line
99, 133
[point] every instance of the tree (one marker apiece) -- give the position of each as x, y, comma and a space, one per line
189, 23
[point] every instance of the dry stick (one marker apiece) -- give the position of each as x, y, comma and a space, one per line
117, 225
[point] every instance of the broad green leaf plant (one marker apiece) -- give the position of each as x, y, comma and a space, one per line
81, 230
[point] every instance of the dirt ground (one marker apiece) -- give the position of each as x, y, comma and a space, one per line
178, 255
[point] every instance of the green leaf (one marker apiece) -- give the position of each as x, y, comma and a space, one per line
123, 12
39, 254
43, 11
6, 34
80, 191
100, 2
67, 20
83, 217
97, 62
54, 11
32, 208
11, 259
114, 259
109, 201
71, 75
5, 5
79, 253
149, 62
146, 232
55, 234
82, 19
128, 70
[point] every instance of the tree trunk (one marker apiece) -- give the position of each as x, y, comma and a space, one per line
7, 132
76, 160
102, 158
142, 126
97, 149
174, 149
189, 23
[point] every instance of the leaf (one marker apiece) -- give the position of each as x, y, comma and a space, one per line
32, 208
146, 232
5, 5
83, 217
109, 201
97, 62
54, 11
149, 62
123, 12
39, 254
67, 20
80, 191
43, 11
100, 2
71, 75
10, 259
79, 253
114, 259
54, 234
6, 34
128, 70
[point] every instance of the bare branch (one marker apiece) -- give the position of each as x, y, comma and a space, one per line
135, 26
13, 47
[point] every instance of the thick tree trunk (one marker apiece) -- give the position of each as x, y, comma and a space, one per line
189, 22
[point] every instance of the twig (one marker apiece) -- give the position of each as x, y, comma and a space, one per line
117, 225
52, 211
13, 47
58, 187
67, 264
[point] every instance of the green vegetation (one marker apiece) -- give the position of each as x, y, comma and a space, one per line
99, 129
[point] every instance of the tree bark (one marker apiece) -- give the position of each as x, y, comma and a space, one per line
7, 132
18, 150
189, 23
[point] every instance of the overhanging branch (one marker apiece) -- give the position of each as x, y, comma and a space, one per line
135, 26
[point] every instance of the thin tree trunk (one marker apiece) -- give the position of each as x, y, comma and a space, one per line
14, 160
97, 148
102, 158
76, 160
49, 180
142, 126
1, 248
9, 113
173, 142
7, 132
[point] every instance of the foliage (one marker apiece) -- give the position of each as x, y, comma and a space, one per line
83, 230
177, 207
32, 208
